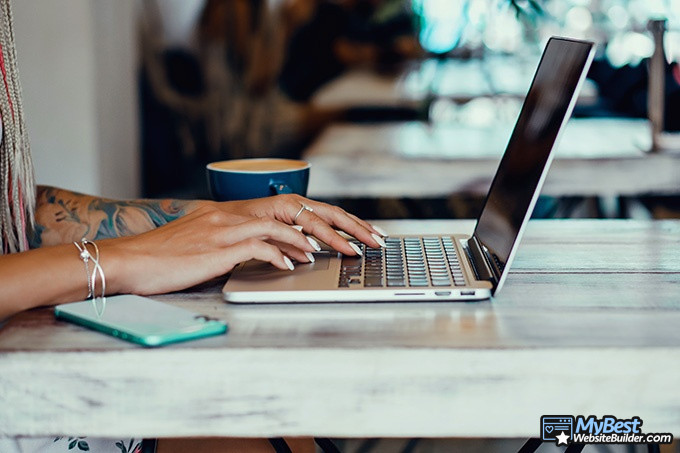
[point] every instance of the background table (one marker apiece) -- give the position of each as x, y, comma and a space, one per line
418, 82
586, 324
596, 157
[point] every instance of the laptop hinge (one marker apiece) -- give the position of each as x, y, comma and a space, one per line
479, 261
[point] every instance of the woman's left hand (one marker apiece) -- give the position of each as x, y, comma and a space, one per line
318, 219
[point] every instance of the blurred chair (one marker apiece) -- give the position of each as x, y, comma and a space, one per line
244, 44
180, 109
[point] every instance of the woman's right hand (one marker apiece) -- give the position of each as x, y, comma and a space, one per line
202, 245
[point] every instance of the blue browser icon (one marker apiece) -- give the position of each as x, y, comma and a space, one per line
556, 425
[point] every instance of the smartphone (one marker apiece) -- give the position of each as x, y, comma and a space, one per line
140, 320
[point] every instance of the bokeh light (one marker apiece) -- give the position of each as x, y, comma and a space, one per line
618, 17
629, 48
503, 32
441, 23
619, 25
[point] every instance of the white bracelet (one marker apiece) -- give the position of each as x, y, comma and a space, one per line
86, 256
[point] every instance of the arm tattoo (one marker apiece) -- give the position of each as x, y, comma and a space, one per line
63, 216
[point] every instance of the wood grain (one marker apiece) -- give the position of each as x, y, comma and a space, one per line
586, 324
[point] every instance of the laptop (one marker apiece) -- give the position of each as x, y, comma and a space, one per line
453, 266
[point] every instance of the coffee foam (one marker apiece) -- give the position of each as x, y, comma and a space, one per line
259, 165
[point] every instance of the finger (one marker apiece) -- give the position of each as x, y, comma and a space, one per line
286, 207
318, 223
290, 209
341, 220
254, 249
265, 229
379, 231
294, 252
319, 228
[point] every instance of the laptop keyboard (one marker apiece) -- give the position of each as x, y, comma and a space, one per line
405, 262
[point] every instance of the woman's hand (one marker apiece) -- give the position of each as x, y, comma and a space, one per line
322, 221
211, 240
203, 244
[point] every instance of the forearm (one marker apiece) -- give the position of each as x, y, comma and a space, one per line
63, 216
40, 277
56, 274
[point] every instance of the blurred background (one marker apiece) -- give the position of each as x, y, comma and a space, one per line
132, 98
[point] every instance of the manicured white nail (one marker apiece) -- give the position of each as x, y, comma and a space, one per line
380, 230
379, 240
310, 257
288, 262
297, 227
356, 248
315, 244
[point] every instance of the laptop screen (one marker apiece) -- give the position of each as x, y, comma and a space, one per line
522, 169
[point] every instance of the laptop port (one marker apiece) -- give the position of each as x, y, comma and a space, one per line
467, 293
442, 293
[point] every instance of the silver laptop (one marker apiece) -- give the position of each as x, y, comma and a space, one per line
453, 266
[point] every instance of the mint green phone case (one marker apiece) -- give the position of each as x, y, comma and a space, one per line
140, 320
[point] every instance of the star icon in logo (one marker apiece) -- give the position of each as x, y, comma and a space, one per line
562, 438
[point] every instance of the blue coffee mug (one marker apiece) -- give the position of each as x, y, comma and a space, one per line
244, 179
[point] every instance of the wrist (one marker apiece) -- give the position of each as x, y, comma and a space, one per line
112, 260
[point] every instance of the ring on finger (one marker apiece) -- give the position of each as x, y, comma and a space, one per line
303, 208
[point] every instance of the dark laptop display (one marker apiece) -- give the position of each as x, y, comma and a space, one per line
513, 193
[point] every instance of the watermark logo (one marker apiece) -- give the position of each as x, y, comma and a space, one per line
559, 428
566, 429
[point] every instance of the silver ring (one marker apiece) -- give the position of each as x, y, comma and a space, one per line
303, 208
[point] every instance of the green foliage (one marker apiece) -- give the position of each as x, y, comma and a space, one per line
527, 9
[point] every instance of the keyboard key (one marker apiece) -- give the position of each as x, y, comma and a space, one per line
439, 274
441, 282
418, 283
396, 283
371, 282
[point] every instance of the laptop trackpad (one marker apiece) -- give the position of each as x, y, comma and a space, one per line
259, 269
261, 276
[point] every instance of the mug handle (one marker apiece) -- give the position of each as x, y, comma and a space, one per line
279, 187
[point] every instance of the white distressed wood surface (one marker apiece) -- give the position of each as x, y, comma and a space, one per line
596, 157
586, 324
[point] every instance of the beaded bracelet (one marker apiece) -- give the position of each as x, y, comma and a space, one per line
86, 256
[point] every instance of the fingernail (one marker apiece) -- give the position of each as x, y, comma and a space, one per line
297, 227
288, 262
356, 248
310, 257
379, 240
381, 231
315, 244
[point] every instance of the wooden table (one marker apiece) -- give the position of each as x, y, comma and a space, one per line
587, 323
596, 157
